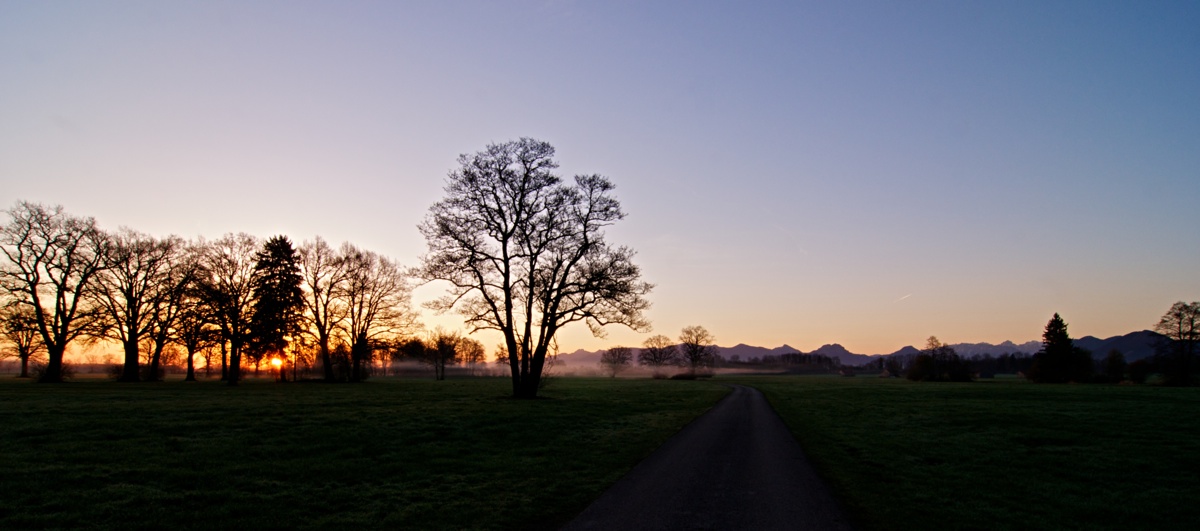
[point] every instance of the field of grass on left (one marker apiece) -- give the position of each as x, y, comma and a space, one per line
412, 454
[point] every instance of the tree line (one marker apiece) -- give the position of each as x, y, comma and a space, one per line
1060, 361
521, 251
64, 280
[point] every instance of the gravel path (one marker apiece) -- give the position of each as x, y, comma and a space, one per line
735, 467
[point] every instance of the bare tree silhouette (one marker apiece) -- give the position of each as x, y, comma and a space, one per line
18, 327
615, 360
1181, 324
524, 254
324, 274
657, 352
697, 348
52, 259
225, 283
377, 297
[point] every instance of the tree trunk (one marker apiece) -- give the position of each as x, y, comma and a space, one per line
155, 363
191, 366
326, 359
54, 364
235, 363
24, 366
224, 361
129, 372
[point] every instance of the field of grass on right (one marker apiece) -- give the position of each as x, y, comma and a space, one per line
1003, 454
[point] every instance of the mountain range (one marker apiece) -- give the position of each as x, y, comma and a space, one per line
1135, 346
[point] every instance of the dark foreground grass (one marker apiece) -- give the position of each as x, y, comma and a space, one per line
999, 455
401, 454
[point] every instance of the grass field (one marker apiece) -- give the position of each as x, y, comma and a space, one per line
419, 454
999, 454
398, 454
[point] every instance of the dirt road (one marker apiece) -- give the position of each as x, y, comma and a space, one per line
735, 467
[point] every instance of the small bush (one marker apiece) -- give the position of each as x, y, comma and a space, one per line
1138, 371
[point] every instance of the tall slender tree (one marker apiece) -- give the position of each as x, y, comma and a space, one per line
1060, 361
278, 299
51, 262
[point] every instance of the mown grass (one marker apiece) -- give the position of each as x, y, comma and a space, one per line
999, 455
403, 454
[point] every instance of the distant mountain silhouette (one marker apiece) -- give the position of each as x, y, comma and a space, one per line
1007, 347
745, 352
1134, 346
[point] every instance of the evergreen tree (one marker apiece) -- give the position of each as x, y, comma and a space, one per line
1060, 361
277, 297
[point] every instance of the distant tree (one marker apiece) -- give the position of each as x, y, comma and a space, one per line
50, 267
442, 350
1139, 371
1114, 366
615, 360
409, 348
1060, 361
471, 353
524, 254
225, 283
894, 366
657, 352
277, 299
697, 348
324, 273
18, 329
938, 362
1181, 326
377, 295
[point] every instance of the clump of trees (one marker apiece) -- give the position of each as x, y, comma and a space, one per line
64, 279
1060, 361
938, 362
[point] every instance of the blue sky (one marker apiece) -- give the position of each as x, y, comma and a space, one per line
868, 173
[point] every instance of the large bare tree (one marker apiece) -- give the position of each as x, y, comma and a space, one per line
52, 259
225, 283
133, 286
173, 299
524, 254
377, 296
324, 273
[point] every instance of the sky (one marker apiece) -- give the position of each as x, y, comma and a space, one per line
801, 173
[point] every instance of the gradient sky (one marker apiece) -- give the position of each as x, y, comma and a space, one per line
867, 173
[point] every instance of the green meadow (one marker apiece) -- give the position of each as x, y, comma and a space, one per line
391, 454
1002, 454
458, 454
